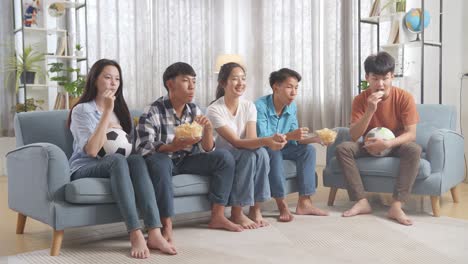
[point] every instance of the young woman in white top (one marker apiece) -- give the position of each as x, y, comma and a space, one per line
234, 120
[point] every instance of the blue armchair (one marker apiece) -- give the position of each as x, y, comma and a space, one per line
441, 168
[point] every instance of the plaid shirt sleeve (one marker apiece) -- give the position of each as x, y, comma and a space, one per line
148, 132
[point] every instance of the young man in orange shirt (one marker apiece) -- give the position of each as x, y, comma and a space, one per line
381, 105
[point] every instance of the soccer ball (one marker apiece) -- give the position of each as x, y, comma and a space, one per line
117, 142
382, 133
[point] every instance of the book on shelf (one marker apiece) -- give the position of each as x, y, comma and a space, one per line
375, 8
394, 35
61, 46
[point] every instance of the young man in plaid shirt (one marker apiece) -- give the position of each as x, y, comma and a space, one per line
167, 155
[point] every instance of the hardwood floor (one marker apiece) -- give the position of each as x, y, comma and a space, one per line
39, 236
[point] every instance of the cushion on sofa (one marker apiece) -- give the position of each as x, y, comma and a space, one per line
89, 191
382, 167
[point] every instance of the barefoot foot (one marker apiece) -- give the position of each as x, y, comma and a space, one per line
285, 214
255, 215
139, 249
396, 213
158, 242
306, 207
224, 223
238, 217
361, 207
166, 230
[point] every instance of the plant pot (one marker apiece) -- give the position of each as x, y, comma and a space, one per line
28, 77
79, 53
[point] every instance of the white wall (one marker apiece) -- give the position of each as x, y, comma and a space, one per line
464, 111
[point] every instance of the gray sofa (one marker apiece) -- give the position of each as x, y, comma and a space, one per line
39, 181
441, 166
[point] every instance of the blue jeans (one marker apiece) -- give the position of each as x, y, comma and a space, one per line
251, 182
304, 155
219, 164
131, 187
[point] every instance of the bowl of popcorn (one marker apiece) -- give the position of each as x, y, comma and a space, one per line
327, 136
189, 130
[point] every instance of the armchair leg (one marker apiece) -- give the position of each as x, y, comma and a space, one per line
20, 223
331, 196
454, 192
56, 242
435, 201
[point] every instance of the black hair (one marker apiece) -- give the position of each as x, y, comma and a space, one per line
283, 74
380, 64
90, 93
176, 69
223, 76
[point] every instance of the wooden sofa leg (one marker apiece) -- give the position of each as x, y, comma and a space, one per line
20, 223
435, 201
331, 196
56, 242
454, 192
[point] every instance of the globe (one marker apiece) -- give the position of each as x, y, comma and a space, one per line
381, 133
413, 20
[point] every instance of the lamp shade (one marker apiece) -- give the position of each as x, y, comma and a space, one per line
225, 58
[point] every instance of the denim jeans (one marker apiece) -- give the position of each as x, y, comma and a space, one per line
251, 182
131, 187
305, 157
219, 164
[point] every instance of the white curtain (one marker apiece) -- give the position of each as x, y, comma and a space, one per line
7, 90
314, 38
147, 36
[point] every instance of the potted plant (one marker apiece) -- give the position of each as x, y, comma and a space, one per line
25, 66
30, 105
78, 51
74, 87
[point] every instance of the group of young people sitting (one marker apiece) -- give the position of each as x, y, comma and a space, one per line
241, 147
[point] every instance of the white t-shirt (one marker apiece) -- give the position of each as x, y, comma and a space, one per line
220, 116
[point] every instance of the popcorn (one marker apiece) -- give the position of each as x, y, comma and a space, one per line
189, 130
327, 136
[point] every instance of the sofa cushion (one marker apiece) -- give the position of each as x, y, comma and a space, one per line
382, 167
98, 190
89, 191
190, 184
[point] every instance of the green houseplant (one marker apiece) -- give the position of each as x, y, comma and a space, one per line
74, 87
24, 66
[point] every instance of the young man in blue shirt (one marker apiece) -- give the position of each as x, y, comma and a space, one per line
276, 113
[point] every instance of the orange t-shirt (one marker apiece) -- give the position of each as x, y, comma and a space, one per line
395, 112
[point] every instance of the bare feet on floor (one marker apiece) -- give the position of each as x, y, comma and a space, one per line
219, 221
285, 214
238, 217
361, 207
158, 242
306, 207
139, 248
396, 213
255, 215
166, 230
